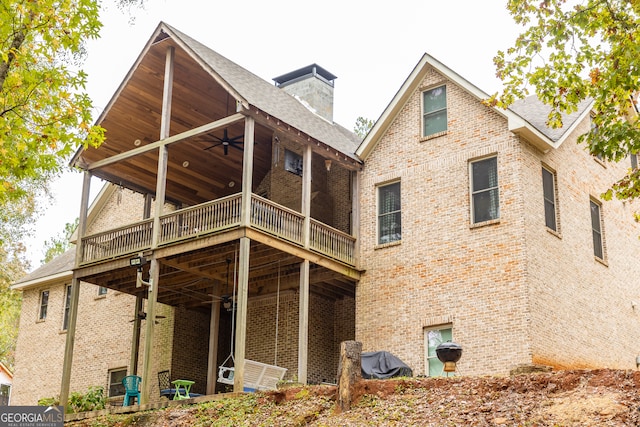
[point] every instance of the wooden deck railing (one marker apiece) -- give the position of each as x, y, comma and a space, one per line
216, 216
332, 243
207, 218
120, 241
277, 220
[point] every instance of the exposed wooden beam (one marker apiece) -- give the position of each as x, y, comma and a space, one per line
226, 121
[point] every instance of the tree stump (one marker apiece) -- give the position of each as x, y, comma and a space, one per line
349, 372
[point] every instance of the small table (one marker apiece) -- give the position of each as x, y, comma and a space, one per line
182, 389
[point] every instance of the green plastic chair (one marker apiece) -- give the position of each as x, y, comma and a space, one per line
131, 385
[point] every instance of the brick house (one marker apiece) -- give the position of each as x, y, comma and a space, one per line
230, 192
451, 220
486, 227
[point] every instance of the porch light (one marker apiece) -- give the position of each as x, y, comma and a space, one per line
138, 262
327, 164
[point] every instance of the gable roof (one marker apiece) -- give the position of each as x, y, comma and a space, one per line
251, 90
524, 119
535, 112
267, 97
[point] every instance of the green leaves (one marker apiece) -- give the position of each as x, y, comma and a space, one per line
572, 51
44, 114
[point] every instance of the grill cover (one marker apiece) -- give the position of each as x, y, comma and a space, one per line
382, 364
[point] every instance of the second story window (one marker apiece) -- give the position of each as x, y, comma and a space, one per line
389, 213
485, 204
434, 111
550, 198
44, 304
102, 291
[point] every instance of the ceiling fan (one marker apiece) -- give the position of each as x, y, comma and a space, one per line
227, 142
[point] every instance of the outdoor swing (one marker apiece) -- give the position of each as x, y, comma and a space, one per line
257, 375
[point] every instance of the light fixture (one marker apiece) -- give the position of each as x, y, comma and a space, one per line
138, 262
185, 164
137, 142
327, 164
638, 362
231, 184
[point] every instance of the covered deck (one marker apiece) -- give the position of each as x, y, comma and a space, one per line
233, 171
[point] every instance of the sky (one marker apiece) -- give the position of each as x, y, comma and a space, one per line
371, 48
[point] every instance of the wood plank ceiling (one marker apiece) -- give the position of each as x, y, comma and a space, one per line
197, 172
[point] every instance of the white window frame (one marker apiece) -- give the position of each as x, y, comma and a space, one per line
425, 115
427, 358
473, 193
102, 291
379, 215
553, 201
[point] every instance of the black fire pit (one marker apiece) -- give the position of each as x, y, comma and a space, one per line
449, 353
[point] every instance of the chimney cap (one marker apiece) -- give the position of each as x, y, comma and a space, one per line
308, 71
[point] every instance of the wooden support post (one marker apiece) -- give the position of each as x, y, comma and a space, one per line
147, 362
214, 333
349, 372
355, 214
247, 171
135, 339
241, 314
75, 294
306, 194
303, 322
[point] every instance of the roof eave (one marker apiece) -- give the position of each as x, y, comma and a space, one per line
41, 281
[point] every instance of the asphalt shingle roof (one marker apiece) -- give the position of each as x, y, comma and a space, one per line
270, 99
535, 112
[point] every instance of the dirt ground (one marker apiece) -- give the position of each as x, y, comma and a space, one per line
565, 398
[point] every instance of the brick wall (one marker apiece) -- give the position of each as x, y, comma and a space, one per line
513, 292
444, 270
581, 308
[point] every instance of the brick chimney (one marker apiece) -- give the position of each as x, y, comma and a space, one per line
313, 86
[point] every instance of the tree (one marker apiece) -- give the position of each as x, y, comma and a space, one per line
59, 244
363, 126
44, 114
571, 51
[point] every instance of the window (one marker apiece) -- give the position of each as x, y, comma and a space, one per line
44, 303
434, 337
596, 228
634, 161
484, 190
389, 218
550, 198
115, 382
434, 111
67, 307
5, 392
293, 162
102, 291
